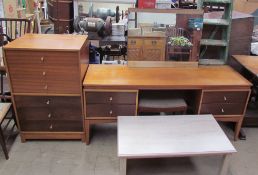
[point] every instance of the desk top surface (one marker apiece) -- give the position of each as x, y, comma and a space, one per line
249, 62
171, 136
48, 42
124, 77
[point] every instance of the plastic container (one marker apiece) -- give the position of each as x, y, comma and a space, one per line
144, 4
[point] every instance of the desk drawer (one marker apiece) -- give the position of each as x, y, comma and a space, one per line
51, 126
223, 108
111, 97
225, 97
106, 110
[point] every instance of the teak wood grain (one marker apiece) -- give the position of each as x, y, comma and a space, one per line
48, 42
123, 77
249, 62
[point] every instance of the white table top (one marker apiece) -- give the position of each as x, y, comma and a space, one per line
171, 136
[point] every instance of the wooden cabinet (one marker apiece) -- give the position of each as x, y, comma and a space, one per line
146, 48
46, 83
60, 12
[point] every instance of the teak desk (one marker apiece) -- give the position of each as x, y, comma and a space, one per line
111, 91
248, 66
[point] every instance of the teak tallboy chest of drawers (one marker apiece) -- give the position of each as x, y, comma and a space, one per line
46, 74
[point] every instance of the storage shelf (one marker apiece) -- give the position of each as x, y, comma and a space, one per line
219, 22
211, 62
211, 42
176, 11
218, 1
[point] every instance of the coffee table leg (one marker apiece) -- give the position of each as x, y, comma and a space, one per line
122, 170
225, 164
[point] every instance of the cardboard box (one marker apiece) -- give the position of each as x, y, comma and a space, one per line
10, 8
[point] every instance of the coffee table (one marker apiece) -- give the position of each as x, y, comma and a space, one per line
171, 136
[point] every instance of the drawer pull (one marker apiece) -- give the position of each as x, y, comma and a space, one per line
225, 98
110, 112
42, 59
49, 116
45, 87
48, 102
110, 98
51, 127
222, 110
44, 73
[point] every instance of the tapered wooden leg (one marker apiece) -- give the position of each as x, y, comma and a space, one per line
23, 140
87, 131
122, 170
3, 144
237, 129
225, 164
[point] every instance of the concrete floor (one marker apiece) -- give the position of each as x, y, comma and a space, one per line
100, 158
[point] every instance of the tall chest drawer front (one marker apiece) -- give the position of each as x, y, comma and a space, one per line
223, 108
225, 96
111, 97
51, 126
49, 107
26, 71
106, 110
63, 73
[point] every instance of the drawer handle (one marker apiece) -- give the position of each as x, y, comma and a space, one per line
44, 73
49, 115
110, 98
225, 98
154, 42
42, 59
222, 110
51, 127
110, 112
45, 87
48, 102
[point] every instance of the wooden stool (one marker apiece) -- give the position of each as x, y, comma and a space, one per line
159, 105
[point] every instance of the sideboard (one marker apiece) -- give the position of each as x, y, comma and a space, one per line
46, 74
